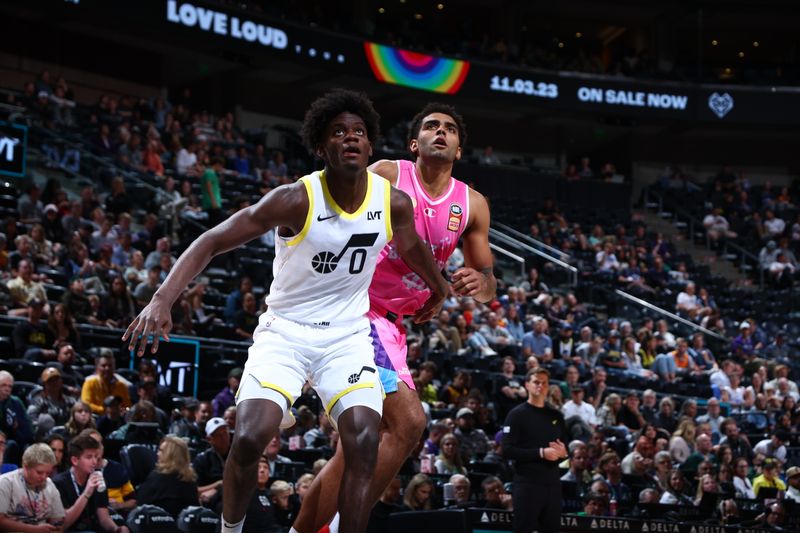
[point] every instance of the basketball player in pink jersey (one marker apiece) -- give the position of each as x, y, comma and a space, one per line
445, 210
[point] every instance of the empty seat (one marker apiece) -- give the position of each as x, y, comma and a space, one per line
138, 460
23, 389
26, 370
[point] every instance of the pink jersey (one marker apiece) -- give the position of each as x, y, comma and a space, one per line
439, 222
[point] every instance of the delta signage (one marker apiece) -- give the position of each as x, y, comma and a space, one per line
602, 523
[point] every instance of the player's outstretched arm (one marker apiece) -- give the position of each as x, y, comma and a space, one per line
476, 278
385, 168
285, 206
416, 255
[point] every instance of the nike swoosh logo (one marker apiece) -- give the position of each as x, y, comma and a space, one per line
320, 218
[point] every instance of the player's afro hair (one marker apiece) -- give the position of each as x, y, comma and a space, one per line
332, 104
437, 107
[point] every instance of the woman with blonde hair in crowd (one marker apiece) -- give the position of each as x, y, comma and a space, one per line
449, 459
681, 444
80, 418
173, 484
707, 484
302, 485
555, 397
608, 412
417, 496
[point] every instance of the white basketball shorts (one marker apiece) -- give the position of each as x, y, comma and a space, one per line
337, 361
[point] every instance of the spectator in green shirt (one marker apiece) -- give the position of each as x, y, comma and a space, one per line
211, 197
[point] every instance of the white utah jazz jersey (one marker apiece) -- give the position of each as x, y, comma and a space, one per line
322, 274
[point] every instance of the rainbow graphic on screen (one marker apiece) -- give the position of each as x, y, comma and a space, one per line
411, 69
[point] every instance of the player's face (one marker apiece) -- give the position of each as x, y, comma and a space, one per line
346, 145
437, 138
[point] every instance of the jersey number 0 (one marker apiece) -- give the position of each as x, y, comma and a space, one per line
326, 262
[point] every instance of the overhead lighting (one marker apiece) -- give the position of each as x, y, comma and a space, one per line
741, 54
381, 10
578, 34
714, 42
755, 44
418, 16
727, 70
561, 45
439, 6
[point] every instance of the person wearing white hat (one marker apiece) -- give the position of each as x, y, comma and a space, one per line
793, 480
210, 464
744, 341
472, 441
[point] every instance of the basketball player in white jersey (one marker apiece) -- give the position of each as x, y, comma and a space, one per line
446, 210
332, 225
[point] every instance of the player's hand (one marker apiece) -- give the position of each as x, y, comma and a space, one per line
469, 282
431, 308
155, 319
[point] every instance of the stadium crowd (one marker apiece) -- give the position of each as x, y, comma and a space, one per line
660, 416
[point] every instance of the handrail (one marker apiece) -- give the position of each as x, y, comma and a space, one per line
726, 243
205, 342
673, 316
573, 272
536, 242
515, 257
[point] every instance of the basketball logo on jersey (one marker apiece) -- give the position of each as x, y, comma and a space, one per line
326, 262
454, 220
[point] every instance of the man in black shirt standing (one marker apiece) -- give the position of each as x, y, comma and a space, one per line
533, 436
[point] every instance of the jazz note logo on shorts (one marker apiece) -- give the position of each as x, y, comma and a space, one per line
454, 220
353, 378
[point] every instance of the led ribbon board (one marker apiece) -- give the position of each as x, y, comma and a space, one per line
411, 69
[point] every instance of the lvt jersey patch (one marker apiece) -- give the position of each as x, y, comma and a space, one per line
454, 219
